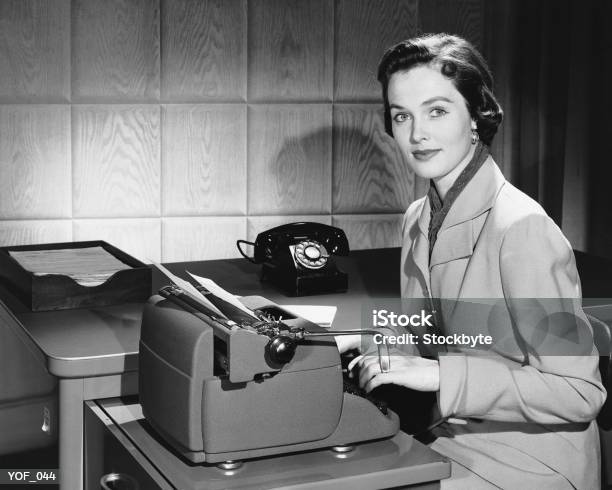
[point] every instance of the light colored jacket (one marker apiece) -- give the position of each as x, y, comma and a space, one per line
530, 412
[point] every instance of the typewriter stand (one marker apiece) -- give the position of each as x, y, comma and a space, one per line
118, 440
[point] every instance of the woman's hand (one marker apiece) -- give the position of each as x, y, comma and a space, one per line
413, 372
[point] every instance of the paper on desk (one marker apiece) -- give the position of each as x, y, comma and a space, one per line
219, 292
189, 288
321, 315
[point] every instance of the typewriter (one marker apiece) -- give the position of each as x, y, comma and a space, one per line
224, 389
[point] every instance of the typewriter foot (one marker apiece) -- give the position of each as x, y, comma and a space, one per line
342, 449
229, 465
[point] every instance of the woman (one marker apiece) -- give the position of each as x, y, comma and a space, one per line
517, 414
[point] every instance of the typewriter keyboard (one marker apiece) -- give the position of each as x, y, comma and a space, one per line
352, 388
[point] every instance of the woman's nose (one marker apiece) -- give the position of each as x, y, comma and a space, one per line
419, 132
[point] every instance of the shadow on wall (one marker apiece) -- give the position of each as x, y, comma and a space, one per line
356, 175
339, 170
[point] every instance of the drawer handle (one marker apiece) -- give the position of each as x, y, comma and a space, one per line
118, 481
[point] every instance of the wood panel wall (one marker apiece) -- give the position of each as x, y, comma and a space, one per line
171, 128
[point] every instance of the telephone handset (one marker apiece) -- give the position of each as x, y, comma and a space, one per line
299, 257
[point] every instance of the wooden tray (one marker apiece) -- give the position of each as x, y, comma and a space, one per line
59, 292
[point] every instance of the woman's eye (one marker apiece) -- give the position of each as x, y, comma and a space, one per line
400, 117
437, 112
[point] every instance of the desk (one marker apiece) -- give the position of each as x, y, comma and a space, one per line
93, 353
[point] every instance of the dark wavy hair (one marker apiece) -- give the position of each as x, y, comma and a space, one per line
459, 61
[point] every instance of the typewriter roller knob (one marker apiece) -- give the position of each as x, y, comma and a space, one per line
281, 349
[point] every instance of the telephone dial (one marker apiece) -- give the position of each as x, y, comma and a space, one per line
298, 257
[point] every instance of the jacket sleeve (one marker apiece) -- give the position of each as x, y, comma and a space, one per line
556, 380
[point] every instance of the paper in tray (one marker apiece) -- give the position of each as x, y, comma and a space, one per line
89, 266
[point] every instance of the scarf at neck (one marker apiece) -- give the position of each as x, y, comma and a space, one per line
440, 209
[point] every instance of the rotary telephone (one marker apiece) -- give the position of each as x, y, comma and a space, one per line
298, 257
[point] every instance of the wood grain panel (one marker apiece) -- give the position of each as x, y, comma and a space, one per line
289, 159
203, 50
140, 238
204, 160
257, 224
369, 175
290, 50
364, 30
461, 17
30, 232
116, 161
371, 231
115, 47
35, 177
186, 239
35, 50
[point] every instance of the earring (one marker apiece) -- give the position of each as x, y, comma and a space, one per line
475, 136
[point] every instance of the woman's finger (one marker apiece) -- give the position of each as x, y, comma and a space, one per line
369, 369
378, 380
354, 362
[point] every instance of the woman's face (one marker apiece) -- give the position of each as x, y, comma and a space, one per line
431, 124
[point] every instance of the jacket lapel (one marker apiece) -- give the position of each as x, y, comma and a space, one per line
455, 243
457, 236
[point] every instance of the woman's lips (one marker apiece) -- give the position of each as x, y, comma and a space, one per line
424, 155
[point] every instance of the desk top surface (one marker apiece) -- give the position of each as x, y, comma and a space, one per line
104, 340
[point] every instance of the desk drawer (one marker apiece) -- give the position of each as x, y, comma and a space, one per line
110, 454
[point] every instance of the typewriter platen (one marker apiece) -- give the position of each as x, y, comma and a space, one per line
221, 390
